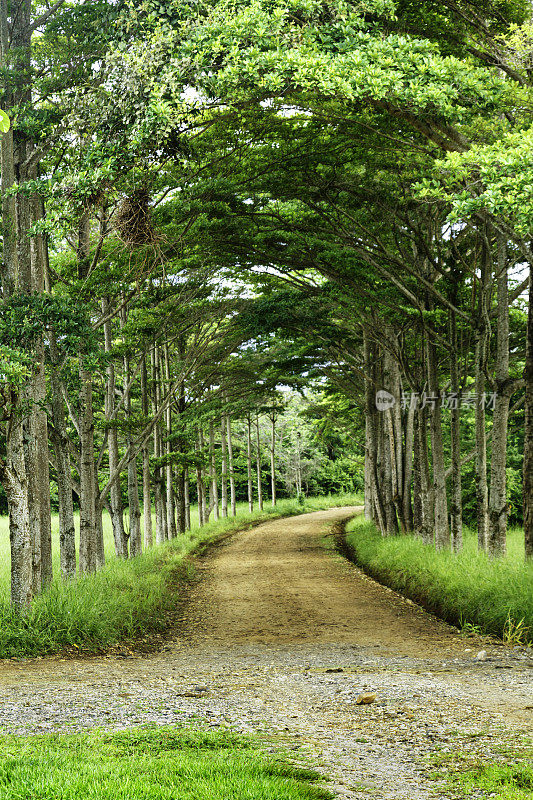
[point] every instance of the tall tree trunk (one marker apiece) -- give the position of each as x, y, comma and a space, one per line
213, 498
14, 480
482, 494
456, 516
249, 463
99, 532
187, 501
25, 469
528, 432
88, 482
497, 533
233, 498
224, 467
160, 519
171, 508
407, 507
427, 492
200, 488
88, 536
147, 493
273, 458
442, 531
67, 533
376, 502
258, 467
181, 482
133, 483
369, 495
115, 492
205, 510
38, 417
417, 481
481, 354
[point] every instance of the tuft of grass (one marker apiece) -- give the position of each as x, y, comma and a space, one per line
468, 589
156, 763
126, 599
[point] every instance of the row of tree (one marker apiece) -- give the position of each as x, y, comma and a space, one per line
202, 204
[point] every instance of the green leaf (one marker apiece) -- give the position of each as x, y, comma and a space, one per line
5, 122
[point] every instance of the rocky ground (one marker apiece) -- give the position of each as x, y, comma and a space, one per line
282, 637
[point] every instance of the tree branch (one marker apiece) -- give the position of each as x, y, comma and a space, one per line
46, 16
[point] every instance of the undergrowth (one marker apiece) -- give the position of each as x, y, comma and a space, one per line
467, 589
126, 599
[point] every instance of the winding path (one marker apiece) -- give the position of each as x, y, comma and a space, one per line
280, 635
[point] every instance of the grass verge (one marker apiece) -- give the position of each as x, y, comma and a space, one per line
155, 763
508, 776
466, 589
126, 599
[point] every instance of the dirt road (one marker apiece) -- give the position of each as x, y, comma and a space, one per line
280, 635
279, 584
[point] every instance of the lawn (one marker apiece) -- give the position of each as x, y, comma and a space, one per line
155, 763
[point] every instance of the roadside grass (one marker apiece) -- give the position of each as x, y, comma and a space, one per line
126, 599
508, 776
468, 589
155, 763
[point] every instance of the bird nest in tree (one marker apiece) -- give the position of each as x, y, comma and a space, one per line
133, 220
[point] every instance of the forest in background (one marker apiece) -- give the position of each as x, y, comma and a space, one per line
207, 205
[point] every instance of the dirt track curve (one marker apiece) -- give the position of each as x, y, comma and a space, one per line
278, 584
279, 636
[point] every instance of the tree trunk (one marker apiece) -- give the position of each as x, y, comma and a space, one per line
205, 511
224, 467
133, 483
25, 469
38, 415
456, 516
187, 501
369, 495
407, 507
200, 488
88, 536
171, 508
213, 498
115, 492
249, 463
417, 481
258, 467
273, 458
233, 498
376, 502
442, 531
67, 533
426, 494
481, 447
14, 481
99, 532
528, 432
147, 494
497, 533
160, 520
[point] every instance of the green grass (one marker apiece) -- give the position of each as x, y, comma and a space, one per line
468, 589
499, 781
506, 774
126, 599
154, 763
